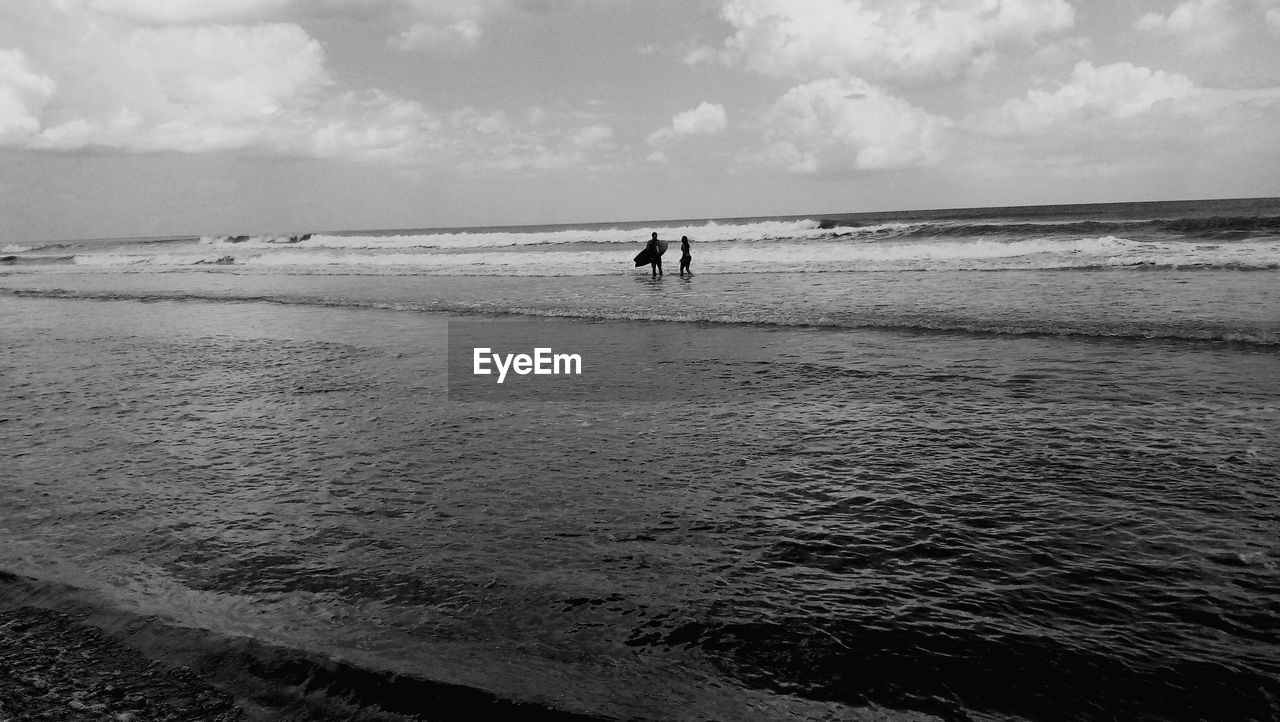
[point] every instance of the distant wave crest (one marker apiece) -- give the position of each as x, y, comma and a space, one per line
710, 231
1217, 227
809, 256
1196, 229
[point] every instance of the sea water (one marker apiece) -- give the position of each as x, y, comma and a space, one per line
991, 463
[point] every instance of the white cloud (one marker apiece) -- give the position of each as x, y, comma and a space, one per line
1271, 12
22, 95
591, 136
487, 141
183, 87
886, 39
358, 126
841, 125
369, 126
1124, 120
164, 12
458, 35
230, 71
257, 89
700, 54
706, 119
1116, 91
445, 25
1206, 25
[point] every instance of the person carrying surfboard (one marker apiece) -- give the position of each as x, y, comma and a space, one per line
652, 255
655, 249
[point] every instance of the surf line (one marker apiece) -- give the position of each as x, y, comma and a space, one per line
543, 362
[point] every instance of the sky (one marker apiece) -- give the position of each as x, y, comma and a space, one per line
189, 117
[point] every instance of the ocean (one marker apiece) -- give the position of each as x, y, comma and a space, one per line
977, 464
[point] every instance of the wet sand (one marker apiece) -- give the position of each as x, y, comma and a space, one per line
77, 664
65, 658
60, 667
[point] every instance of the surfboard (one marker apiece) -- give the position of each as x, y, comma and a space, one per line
642, 258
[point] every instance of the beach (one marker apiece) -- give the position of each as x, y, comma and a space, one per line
1018, 468
58, 669
67, 657
732, 360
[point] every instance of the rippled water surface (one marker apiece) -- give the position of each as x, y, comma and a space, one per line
1210, 305
1001, 526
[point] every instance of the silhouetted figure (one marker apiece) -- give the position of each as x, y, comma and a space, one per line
685, 258
655, 255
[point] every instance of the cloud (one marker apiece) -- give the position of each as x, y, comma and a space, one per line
699, 55
423, 25
882, 39
706, 119
483, 141
1123, 119
182, 87
430, 36
1207, 25
1116, 91
1271, 13
444, 25
230, 71
254, 89
166, 12
842, 125
22, 94
591, 136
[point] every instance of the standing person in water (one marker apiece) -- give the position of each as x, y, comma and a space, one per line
655, 255
685, 258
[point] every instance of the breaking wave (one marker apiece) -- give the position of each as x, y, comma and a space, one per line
1196, 229
793, 255
708, 231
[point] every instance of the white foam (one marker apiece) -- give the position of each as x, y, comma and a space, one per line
709, 231
14, 248
134, 259
793, 254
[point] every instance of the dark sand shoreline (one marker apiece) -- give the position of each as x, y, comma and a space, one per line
63, 657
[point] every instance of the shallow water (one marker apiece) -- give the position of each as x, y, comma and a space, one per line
1010, 525
1194, 305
